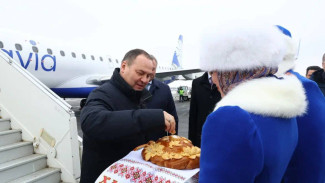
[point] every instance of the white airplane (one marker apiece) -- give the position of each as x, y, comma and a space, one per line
71, 73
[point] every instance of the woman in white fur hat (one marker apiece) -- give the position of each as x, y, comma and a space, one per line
308, 161
252, 134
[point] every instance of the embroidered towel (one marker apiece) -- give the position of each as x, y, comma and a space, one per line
132, 168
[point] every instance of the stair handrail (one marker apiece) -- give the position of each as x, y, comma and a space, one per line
36, 81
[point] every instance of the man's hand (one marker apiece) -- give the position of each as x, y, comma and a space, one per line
170, 123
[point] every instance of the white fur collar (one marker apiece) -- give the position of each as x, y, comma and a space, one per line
269, 97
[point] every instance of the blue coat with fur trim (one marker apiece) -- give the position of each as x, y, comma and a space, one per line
308, 162
252, 134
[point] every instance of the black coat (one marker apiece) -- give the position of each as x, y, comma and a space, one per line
203, 100
114, 122
162, 99
319, 77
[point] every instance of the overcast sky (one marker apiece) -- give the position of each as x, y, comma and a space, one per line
114, 27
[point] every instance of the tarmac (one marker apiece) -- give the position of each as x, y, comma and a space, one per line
182, 109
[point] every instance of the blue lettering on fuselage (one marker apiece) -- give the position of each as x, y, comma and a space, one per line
51, 58
8, 52
21, 60
45, 59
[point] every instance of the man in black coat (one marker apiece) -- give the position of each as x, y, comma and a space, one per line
161, 98
114, 120
319, 77
204, 97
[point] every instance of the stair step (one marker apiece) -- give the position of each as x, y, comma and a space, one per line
17, 150
9, 137
4, 124
50, 175
20, 167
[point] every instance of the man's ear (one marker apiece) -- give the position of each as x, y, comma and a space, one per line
123, 67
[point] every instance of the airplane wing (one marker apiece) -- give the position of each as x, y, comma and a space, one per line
176, 72
97, 80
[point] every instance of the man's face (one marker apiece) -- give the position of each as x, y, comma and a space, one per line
309, 73
139, 73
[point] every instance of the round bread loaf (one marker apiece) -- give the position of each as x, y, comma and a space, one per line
172, 152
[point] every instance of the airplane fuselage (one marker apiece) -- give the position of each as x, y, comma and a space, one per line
71, 73
65, 72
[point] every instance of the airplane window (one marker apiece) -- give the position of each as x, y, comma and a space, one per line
92, 57
73, 54
18, 47
35, 49
62, 53
110, 60
116, 60
101, 58
1, 44
49, 51
83, 56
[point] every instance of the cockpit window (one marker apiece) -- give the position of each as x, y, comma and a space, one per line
49, 51
1, 44
18, 47
35, 49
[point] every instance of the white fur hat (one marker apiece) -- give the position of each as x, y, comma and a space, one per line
241, 47
289, 60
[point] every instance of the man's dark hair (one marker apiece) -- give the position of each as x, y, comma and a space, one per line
312, 68
153, 58
132, 54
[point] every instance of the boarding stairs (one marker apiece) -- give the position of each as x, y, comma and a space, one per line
38, 130
18, 162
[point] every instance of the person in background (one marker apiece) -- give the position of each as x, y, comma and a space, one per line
310, 70
114, 120
252, 134
181, 94
161, 98
319, 76
308, 161
204, 97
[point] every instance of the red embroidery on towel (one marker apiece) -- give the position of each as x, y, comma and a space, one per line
136, 175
